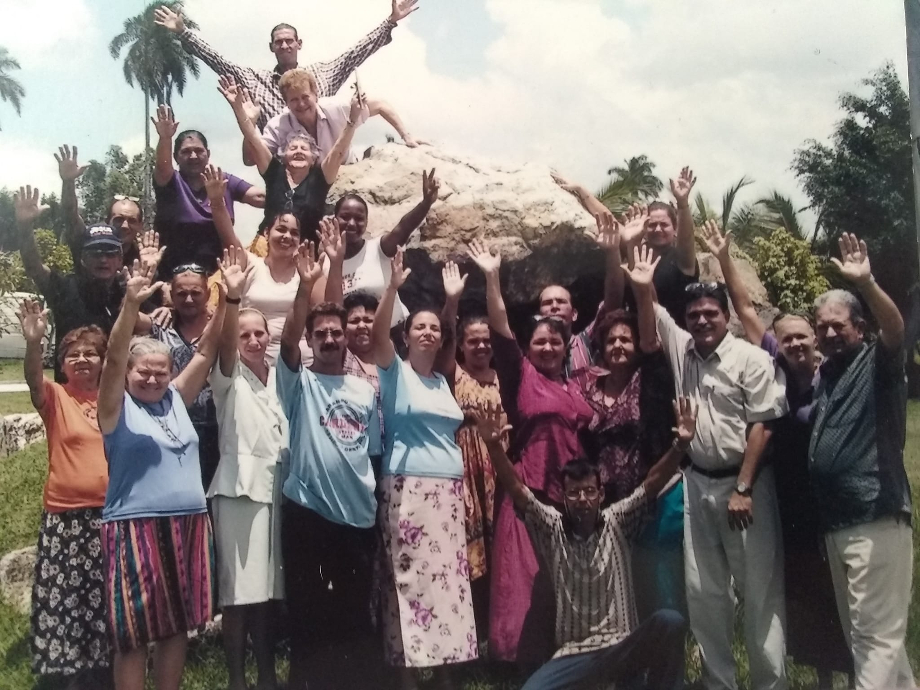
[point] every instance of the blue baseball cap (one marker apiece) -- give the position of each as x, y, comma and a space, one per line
101, 237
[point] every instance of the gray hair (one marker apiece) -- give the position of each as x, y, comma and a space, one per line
847, 299
300, 136
142, 345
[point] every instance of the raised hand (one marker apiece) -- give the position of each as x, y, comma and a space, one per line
357, 104
454, 283
138, 282
169, 20
150, 250
413, 142
635, 223
399, 275
234, 269
165, 123
431, 185
608, 232
215, 183
308, 268
162, 317
402, 9
331, 242
34, 321
68, 168
26, 205
252, 107
489, 422
644, 265
685, 414
682, 186
232, 93
487, 258
855, 264
717, 243
562, 182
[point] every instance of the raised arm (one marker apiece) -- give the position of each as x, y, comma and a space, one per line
336, 156
855, 268
34, 322
634, 226
215, 184
398, 236
686, 242
454, 283
376, 106
608, 239
662, 471
150, 252
28, 210
384, 352
235, 271
194, 377
70, 170
247, 114
720, 247
490, 261
138, 288
641, 275
194, 45
591, 203
310, 271
488, 421
333, 246
166, 127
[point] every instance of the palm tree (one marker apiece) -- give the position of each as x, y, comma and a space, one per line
11, 91
631, 182
783, 213
155, 61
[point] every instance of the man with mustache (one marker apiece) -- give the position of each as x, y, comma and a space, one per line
736, 387
856, 460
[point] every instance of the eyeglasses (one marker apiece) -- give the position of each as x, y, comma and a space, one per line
122, 197
590, 493
99, 253
336, 333
709, 288
189, 268
74, 357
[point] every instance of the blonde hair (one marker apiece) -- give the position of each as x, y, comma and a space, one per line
297, 79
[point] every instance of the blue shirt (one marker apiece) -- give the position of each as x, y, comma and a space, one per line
421, 419
334, 431
153, 461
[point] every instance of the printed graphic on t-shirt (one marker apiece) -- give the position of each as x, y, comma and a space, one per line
344, 425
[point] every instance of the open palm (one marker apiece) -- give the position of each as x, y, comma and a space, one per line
487, 258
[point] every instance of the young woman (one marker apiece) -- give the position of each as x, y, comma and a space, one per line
246, 491
427, 607
68, 632
547, 412
156, 535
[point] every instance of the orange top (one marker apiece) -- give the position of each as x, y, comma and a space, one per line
78, 474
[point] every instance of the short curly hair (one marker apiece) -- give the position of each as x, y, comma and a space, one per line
92, 336
297, 79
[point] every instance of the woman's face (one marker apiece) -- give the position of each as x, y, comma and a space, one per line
424, 334
284, 236
298, 155
254, 338
620, 347
476, 346
82, 365
192, 157
148, 377
546, 351
661, 231
353, 220
358, 328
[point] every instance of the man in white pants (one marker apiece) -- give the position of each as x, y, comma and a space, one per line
725, 537
856, 461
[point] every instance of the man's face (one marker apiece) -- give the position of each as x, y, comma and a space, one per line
102, 264
301, 101
285, 45
125, 217
796, 341
190, 295
707, 323
328, 341
837, 334
192, 157
582, 499
358, 328
556, 302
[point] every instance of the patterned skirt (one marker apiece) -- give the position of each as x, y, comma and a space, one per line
68, 603
159, 577
427, 607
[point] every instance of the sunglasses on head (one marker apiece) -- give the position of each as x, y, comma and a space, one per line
704, 289
189, 268
122, 197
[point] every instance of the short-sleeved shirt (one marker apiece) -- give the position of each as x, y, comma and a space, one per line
274, 300
421, 418
307, 201
592, 578
856, 455
201, 411
186, 224
253, 434
331, 116
736, 385
77, 471
334, 431
546, 417
670, 285
154, 470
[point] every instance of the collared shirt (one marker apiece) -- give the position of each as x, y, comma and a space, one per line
856, 454
592, 578
331, 117
735, 386
353, 366
262, 84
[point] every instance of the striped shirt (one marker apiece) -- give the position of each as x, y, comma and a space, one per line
592, 578
262, 84
352, 365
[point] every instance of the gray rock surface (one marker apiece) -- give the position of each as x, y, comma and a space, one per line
17, 572
20, 430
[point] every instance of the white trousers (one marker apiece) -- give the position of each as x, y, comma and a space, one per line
871, 566
714, 556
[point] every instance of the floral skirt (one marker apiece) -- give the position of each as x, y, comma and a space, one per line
68, 603
427, 607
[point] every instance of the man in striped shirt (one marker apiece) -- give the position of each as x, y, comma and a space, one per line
587, 552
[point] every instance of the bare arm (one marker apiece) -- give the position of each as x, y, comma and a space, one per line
309, 270
489, 260
591, 203
662, 471
70, 170
166, 127
193, 378
333, 160
454, 283
215, 184
741, 508
28, 210
235, 271
686, 241
34, 322
488, 421
641, 275
384, 352
386, 111
333, 246
246, 112
608, 239
398, 236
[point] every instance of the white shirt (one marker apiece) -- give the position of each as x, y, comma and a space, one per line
331, 116
735, 386
253, 434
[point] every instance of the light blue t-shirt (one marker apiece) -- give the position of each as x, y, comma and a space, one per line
154, 469
334, 431
420, 418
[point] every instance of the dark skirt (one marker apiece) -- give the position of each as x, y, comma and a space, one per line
68, 626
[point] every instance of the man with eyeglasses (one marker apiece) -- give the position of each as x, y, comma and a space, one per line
328, 536
731, 526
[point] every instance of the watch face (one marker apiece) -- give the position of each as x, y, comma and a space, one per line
741, 488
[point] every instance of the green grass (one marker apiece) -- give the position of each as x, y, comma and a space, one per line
12, 403
21, 479
11, 370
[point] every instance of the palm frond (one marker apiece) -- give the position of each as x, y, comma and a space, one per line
728, 199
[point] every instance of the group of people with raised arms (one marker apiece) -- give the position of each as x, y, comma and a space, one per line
267, 431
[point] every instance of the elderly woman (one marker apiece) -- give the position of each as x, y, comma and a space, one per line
427, 608
246, 491
547, 412
156, 536
68, 635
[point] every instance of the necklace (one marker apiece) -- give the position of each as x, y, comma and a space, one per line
163, 422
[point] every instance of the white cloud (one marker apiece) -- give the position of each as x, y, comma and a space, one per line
42, 33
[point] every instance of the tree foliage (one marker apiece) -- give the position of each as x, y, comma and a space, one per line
11, 90
633, 181
792, 275
116, 175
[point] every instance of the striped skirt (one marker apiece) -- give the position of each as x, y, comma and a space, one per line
159, 577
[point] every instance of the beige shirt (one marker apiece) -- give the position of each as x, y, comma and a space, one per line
735, 386
331, 116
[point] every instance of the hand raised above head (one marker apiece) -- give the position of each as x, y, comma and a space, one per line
68, 168
139, 285
308, 267
33, 319
164, 122
399, 275
854, 260
608, 232
635, 223
644, 264
431, 186
168, 19
332, 243
234, 269
26, 204
215, 183
487, 258
717, 243
454, 283
400, 9
682, 186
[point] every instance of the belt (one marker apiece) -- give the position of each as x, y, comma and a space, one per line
716, 474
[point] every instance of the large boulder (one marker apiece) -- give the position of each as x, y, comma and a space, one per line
17, 573
20, 430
